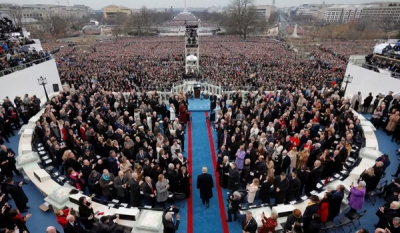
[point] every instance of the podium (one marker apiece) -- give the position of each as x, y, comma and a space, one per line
197, 90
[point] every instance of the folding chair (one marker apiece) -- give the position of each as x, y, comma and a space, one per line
357, 219
345, 222
371, 196
328, 226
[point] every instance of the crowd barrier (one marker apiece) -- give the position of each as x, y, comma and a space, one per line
23, 66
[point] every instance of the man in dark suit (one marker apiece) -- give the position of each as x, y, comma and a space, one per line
213, 101
224, 139
7, 161
281, 186
205, 184
336, 202
107, 225
149, 191
233, 178
168, 221
249, 225
135, 184
283, 163
18, 194
141, 156
73, 226
342, 152
294, 187
313, 177
39, 132
302, 174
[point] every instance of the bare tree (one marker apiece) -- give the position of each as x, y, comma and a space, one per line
55, 25
387, 23
243, 18
16, 16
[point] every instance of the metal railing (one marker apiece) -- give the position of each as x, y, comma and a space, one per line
376, 69
23, 66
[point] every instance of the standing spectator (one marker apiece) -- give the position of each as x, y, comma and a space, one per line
324, 204
357, 197
121, 187
168, 222
268, 224
233, 206
149, 191
135, 185
336, 202
252, 190
233, 178
18, 194
249, 224
162, 187
106, 184
367, 103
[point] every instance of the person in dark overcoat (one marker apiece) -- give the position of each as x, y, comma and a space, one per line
135, 185
336, 202
205, 184
18, 194
233, 178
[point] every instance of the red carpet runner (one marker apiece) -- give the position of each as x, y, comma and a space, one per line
217, 186
190, 201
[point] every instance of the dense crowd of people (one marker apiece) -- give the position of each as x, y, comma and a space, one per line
156, 63
280, 144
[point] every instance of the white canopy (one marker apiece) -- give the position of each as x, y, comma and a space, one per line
191, 58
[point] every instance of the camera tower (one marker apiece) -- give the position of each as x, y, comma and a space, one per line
192, 54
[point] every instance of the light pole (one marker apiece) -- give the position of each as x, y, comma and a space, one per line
347, 79
43, 81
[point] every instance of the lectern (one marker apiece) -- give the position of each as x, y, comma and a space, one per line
197, 90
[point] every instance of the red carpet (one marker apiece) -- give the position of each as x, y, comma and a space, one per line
218, 187
190, 200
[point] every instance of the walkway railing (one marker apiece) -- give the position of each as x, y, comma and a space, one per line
377, 69
23, 66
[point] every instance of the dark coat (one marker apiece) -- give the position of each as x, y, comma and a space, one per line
250, 227
205, 183
233, 179
135, 192
169, 226
18, 194
76, 228
334, 206
309, 212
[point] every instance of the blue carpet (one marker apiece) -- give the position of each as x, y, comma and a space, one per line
40, 220
198, 105
205, 219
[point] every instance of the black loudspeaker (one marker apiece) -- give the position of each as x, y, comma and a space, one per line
56, 88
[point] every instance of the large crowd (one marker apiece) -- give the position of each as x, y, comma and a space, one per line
280, 144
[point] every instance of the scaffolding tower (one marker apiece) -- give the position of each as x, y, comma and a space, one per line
192, 53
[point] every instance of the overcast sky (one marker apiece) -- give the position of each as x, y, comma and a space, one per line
98, 4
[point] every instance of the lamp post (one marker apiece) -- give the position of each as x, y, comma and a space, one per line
347, 79
43, 81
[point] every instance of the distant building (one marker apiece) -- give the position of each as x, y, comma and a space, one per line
342, 13
384, 10
111, 11
374, 12
42, 11
308, 10
264, 11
